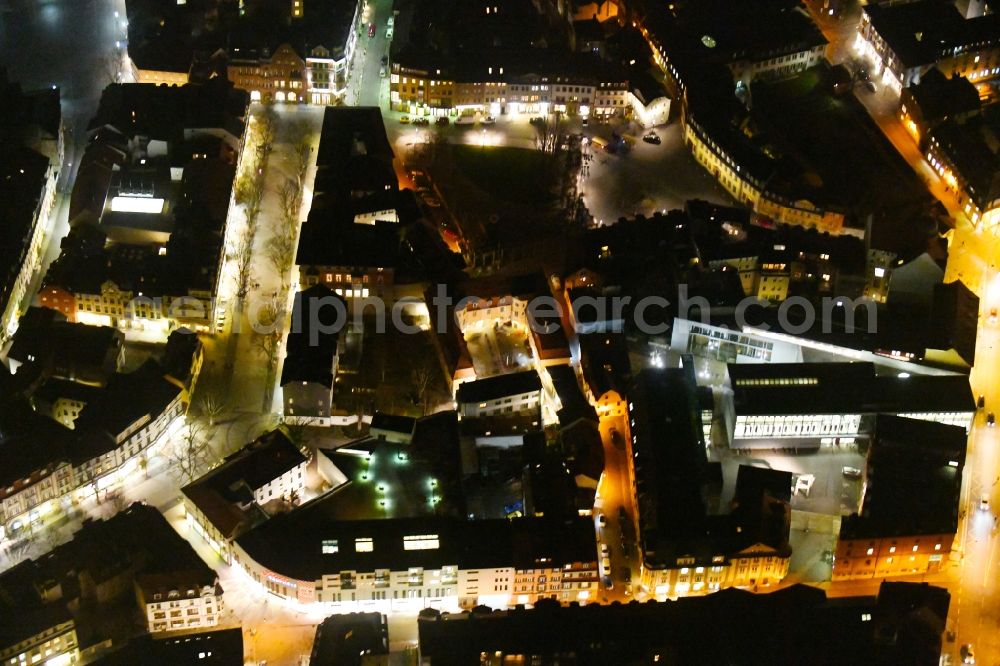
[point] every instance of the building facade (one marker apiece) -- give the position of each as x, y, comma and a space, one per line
57, 644
175, 608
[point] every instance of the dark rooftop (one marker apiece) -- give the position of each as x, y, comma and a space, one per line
291, 543
913, 482
843, 388
218, 493
127, 398
832, 632
312, 340
500, 386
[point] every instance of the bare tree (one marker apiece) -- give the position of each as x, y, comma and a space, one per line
422, 377
281, 253
212, 405
267, 127
267, 341
113, 64
290, 197
192, 456
243, 256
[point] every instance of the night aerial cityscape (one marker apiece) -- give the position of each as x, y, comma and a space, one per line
499, 332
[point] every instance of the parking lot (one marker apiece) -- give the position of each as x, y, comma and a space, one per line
648, 178
832, 492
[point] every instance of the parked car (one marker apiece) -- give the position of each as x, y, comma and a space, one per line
584, 121
371, 29
991, 420
381, 71
537, 120
652, 137
604, 550
421, 121
981, 402
984, 502
608, 583
404, 120
602, 520
443, 120
851, 472
488, 120
968, 656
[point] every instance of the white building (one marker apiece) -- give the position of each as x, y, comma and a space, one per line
172, 603
517, 393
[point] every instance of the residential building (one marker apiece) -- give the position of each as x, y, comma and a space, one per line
905, 40
63, 400
902, 625
31, 155
808, 405
909, 511
392, 427
350, 640
606, 371
341, 245
519, 393
222, 647
229, 499
962, 156
47, 603
685, 549
60, 349
182, 600
113, 432
311, 353
934, 99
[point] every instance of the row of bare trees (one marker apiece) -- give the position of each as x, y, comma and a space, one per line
249, 193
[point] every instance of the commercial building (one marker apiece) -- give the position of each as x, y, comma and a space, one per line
275, 51
411, 563
156, 181
31, 155
580, 85
905, 40
783, 628
685, 549
311, 353
909, 512
807, 405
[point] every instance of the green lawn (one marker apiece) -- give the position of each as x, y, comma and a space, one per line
516, 175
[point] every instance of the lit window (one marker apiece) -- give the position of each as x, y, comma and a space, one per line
937, 546
871, 551
866, 617
892, 549
330, 546
364, 545
421, 542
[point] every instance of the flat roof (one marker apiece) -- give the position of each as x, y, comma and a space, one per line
291, 544
914, 478
842, 388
